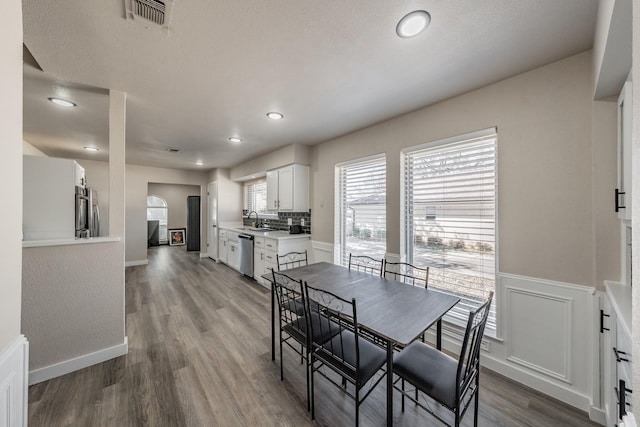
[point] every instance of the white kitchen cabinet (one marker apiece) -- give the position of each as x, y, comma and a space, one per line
222, 246
616, 354
624, 189
233, 254
258, 258
288, 188
266, 253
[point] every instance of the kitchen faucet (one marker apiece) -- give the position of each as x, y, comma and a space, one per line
257, 218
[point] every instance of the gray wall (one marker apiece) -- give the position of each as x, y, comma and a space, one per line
548, 128
176, 197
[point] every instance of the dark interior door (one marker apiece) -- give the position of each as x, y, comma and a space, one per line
193, 223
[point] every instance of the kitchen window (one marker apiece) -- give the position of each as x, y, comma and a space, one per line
256, 197
361, 209
450, 216
157, 210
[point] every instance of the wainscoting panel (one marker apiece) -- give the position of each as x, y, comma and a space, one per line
541, 318
321, 252
13, 383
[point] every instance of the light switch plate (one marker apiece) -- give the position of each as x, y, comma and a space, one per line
289, 221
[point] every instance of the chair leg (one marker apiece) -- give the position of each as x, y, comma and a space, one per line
476, 400
281, 368
403, 395
357, 406
308, 397
313, 406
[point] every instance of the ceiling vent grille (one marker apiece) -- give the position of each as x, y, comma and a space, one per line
151, 11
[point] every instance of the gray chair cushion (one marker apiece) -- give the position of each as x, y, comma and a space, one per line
298, 329
372, 357
430, 370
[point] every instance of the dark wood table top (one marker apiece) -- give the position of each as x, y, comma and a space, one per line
392, 310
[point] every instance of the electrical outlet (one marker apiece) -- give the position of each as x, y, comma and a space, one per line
302, 222
289, 221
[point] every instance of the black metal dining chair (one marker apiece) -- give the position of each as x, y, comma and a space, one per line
406, 273
292, 260
366, 264
450, 382
294, 320
354, 359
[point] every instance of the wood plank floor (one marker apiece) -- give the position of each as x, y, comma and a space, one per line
199, 355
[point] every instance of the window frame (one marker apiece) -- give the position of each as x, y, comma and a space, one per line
338, 223
457, 317
166, 208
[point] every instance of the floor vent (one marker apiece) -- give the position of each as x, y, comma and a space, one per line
151, 11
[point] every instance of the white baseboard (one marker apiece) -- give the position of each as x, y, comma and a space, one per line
14, 362
134, 263
203, 255
80, 362
597, 415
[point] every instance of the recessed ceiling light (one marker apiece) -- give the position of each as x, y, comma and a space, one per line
413, 23
199, 163
274, 115
235, 139
62, 102
92, 148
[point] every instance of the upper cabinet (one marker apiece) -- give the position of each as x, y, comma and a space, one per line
623, 192
288, 188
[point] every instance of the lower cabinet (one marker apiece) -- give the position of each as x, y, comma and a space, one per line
266, 253
222, 246
233, 254
616, 354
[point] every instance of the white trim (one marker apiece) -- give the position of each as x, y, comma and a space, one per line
14, 362
568, 286
80, 362
134, 263
204, 255
365, 159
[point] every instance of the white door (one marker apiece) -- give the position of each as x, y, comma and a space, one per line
212, 242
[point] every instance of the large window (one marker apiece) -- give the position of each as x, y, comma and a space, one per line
256, 197
450, 216
361, 216
157, 209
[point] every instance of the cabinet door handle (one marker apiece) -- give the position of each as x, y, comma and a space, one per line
618, 205
602, 316
618, 353
621, 394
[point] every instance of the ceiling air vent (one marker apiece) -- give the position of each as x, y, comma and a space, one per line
151, 11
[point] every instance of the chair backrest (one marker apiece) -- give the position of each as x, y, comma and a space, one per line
292, 260
469, 362
366, 264
406, 273
341, 313
291, 302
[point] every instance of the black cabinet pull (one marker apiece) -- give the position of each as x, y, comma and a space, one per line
621, 394
602, 316
618, 205
618, 353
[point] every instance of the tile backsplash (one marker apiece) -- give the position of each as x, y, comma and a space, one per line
281, 222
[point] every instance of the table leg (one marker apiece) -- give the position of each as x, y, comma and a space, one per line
439, 334
389, 383
273, 325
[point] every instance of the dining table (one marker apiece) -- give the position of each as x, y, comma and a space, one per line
395, 312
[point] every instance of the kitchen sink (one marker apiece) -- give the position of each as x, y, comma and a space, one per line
258, 229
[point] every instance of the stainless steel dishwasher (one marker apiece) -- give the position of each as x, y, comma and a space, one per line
245, 244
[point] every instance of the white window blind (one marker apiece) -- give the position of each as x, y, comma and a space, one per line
450, 218
361, 215
256, 197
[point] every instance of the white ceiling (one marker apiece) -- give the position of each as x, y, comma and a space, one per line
330, 66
